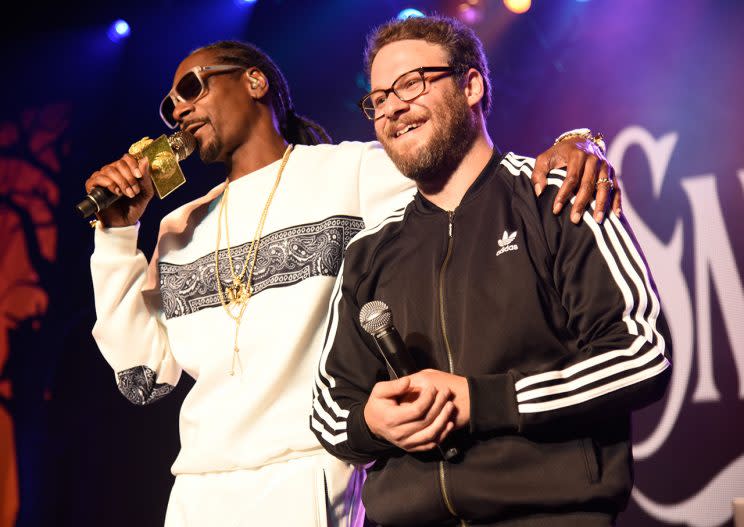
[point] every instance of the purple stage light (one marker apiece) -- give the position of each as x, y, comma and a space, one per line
471, 12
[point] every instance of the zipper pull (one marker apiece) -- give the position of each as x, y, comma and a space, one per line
451, 215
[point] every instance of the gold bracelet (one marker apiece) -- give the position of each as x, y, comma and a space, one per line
586, 133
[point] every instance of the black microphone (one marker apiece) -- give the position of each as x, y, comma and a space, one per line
163, 154
377, 320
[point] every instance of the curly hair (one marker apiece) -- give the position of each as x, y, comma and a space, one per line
464, 48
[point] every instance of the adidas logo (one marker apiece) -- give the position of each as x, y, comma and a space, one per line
505, 243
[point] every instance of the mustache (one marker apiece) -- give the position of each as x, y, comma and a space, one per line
186, 124
391, 127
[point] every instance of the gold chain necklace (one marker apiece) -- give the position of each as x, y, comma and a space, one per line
238, 293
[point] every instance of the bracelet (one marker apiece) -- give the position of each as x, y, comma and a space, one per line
586, 133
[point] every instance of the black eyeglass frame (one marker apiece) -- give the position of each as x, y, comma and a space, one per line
176, 97
393, 89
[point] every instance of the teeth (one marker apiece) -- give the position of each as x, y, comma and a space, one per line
406, 129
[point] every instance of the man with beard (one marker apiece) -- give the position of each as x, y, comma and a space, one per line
532, 339
237, 292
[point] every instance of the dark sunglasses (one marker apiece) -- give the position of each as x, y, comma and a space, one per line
189, 88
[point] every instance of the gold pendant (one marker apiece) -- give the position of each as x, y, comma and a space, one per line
238, 292
235, 359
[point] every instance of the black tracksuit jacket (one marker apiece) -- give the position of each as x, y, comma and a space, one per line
557, 328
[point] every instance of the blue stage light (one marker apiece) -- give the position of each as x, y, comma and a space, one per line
121, 27
409, 13
119, 30
243, 3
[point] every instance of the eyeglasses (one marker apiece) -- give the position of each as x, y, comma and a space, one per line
189, 88
406, 87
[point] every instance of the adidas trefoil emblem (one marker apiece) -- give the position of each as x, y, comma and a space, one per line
506, 243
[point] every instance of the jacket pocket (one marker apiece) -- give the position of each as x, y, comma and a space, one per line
590, 460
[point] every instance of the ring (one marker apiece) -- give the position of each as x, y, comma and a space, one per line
605, 180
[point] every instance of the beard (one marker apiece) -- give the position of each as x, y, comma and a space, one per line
209, 152
209, 149
452, 136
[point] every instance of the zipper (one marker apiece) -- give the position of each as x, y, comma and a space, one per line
448, 349
445, 496
442, 321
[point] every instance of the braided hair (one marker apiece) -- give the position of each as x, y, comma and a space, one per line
295, 128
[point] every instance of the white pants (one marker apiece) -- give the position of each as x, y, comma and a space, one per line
312, 491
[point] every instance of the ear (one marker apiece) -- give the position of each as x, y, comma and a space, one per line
258, 84
474, 87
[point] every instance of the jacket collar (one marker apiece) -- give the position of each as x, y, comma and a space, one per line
427, 207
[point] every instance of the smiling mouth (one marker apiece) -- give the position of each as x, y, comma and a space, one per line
407, 129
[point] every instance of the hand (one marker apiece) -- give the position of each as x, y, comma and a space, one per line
127, 178
411, 419
443, 381
581, 157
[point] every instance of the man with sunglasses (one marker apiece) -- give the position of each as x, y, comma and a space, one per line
237, 291
532, 339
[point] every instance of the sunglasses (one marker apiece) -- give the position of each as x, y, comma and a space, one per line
189, 88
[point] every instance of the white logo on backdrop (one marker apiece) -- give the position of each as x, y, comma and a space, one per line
714, 265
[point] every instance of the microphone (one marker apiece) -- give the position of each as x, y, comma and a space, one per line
163, 154
376, 319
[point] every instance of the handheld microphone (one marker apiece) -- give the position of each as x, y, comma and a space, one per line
163, 154
376, 319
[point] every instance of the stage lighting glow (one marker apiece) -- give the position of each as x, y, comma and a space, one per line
470, 12
119, 30
243, 3
121, 27
409, 13
518, 6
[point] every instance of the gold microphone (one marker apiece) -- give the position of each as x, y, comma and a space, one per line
163, 154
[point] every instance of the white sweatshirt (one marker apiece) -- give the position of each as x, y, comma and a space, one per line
155, 321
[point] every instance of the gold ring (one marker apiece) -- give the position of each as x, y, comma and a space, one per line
605, 180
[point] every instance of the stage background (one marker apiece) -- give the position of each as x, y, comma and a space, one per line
662, 80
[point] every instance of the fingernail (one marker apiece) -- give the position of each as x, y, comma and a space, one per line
618, 212
129, 192
136, 189
138, 174
557, 207
538, 189
598, 217
117, 191
575, 217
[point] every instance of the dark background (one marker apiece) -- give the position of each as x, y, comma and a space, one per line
74, 100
